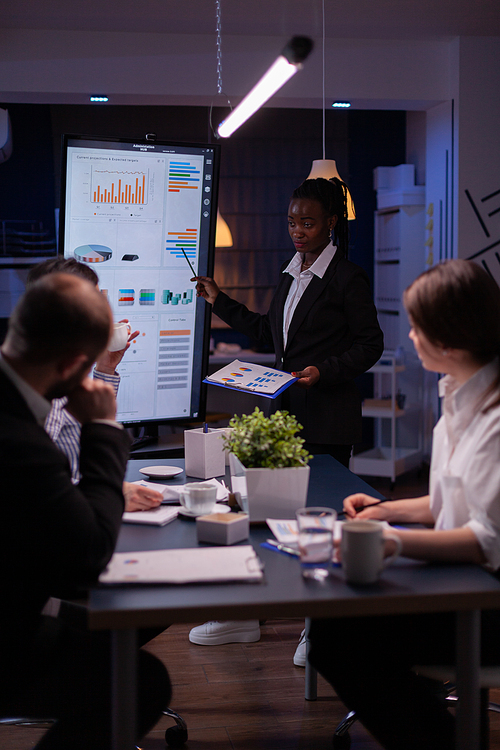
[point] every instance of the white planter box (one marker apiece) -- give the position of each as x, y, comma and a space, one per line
269, 493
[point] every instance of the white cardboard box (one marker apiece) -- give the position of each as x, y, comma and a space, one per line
223, 528
204, 453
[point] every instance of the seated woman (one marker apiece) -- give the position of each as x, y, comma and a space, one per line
454, 311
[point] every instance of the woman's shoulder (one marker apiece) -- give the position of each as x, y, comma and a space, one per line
348, 270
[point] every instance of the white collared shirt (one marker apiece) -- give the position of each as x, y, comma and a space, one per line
465, 465
301, 281
37, 404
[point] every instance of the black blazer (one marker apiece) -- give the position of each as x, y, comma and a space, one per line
53, 534
335, 328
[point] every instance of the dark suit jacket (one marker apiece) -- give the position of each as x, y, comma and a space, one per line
53, 534
335, 328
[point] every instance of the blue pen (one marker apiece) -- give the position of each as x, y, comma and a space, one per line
205, 427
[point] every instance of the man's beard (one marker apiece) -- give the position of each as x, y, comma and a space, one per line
64, 387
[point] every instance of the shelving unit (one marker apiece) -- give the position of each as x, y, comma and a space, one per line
387, 458
398, 260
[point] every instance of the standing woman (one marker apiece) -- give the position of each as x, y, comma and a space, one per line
454, 311
323, 326
322, 321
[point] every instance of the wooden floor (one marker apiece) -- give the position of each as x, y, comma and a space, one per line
250, 696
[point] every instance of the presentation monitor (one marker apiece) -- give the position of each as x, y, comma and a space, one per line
142, 214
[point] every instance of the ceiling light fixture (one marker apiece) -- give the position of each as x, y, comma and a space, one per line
99, 98
341, 105
284, 67
327, 168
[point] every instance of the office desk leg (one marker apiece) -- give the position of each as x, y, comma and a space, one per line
311, 686
468, 664
123, 688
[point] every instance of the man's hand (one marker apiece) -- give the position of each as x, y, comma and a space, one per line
90, 400
307, 377
140, 498
206, 288
109, 361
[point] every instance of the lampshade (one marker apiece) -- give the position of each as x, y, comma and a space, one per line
223, 237
327, 168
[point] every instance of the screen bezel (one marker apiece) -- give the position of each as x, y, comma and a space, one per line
148, 141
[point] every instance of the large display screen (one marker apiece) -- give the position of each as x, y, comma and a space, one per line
136, 212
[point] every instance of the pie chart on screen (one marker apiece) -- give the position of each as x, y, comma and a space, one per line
93, 253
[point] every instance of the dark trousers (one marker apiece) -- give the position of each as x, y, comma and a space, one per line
64, 674
341, 452
369, 660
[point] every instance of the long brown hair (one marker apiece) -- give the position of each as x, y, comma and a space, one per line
456, 305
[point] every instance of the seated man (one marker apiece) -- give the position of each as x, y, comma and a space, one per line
62, 427
56, 536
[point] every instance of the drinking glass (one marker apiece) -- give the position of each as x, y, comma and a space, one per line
315, 526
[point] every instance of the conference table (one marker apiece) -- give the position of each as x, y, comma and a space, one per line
404, 587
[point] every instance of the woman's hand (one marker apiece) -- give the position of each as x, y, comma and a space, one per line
140, 498
358, 506
206, 288
307, 377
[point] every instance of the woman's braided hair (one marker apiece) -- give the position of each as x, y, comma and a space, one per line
332, 196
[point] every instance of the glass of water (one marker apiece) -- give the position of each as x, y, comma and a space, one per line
316, 527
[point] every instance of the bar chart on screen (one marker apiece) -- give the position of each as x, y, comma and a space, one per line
110, 186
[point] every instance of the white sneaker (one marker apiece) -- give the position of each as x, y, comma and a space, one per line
215, 633
300, 656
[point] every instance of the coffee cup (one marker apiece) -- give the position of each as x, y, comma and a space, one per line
362, 549
119, 338
198, 498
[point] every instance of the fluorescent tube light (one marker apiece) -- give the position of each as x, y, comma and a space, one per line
283, 68
99, 98
341, 105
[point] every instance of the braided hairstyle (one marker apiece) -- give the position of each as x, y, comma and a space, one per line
332, 196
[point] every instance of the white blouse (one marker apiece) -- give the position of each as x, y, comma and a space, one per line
465, 464
301, 281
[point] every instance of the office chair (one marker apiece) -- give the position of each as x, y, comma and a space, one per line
175, 736
489, 677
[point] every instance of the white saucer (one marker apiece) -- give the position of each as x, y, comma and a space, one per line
217, 509
161, 472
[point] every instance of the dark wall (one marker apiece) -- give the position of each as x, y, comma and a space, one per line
27, 178
261, 164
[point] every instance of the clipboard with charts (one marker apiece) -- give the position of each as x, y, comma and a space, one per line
194, 565
252, 378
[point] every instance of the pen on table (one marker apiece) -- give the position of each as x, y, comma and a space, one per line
379, 502
205, 427
189, 262
283, 547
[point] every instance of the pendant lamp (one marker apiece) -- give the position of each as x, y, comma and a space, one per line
327, 168
223, 236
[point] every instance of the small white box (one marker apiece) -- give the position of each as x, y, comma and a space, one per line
204, 453
223, 528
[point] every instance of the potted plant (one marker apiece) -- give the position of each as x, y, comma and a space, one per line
268, 464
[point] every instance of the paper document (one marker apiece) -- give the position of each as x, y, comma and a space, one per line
172, 492
155, 517
247, 376
197, 565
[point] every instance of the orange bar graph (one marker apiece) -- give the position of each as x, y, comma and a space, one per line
121, 189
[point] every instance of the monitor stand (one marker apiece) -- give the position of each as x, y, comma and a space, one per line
140, 438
